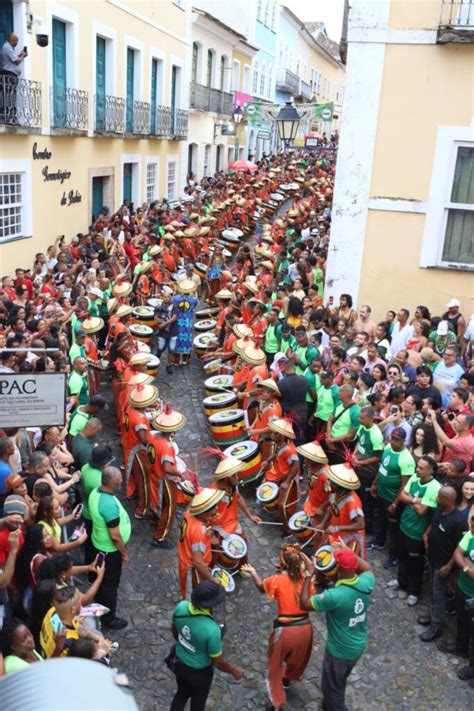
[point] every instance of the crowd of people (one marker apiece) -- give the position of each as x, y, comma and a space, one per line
368, 423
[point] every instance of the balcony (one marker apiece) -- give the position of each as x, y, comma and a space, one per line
287, 81
456, 23
69, 109
181, 124
161, 122
140, 118
20, 103
306, 92
109, 114
205, 98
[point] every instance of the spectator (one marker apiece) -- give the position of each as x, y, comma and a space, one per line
461, 446
447, 374
83, 443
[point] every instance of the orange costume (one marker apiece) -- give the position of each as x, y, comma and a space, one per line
162, 486
194, 537
287, 498
271, 411
317, 494
346, 508
255, 375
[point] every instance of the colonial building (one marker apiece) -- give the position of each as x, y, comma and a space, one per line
403, 214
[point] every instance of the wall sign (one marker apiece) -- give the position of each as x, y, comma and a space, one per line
41, 155
32, 399
58, 176
71, 198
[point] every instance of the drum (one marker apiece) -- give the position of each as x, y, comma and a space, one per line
188, 490
142, 347
145, 316
267, 495
298, 524
143, 333
277, 197
248, 452
218, 383
232, 232
228, 427
218, 403
152, 365
270, 208
224, 578
325, 562
213, 366
203, 342
154, 303
206, 313
207, 324
200, 270
234, 548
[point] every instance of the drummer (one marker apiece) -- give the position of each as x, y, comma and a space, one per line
142, 283
257, 372
225, 479
164, 473
194, 544
269, 409
283, 468
316, 500
134, 435
290, 643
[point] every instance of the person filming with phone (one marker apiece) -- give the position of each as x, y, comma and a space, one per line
10, 71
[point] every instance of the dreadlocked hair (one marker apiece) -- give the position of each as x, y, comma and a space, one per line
290, 561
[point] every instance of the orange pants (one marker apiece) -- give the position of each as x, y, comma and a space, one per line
289, 651
168, 510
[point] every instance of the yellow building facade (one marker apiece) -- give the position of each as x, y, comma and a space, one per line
403, 217
99, 115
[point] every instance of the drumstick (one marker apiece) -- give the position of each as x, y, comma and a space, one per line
308, 541
270, 523
295, 501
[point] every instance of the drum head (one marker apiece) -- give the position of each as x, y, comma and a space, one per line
154, 303
234, 546
146, 311
219, 399
205, 325
324, 559
142, 347
224, 578
201, 267
139, 329
154, 362
242, 449
212, 365
226, 416
268, 491
204, 340
219, 381
298, 521
187, 486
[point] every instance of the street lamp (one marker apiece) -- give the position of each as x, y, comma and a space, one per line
288, 120
238, 115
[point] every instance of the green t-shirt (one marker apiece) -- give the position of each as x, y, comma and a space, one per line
286, 343
314, 383
464, 581
369, 441
76, 351
15, 664
346, 606
82, 450
325, 406
93, 307
348, 420
271, 338
305, 354
78, 422
105, 508
412, 524
77, 385
91, 478
199, 635
392, 467
318, 280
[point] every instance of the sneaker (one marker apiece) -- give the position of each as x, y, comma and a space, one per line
424, 620
374, 546
412, 600
431, 634
452, 648
167, 545
466, 673
390, 563
116, 623
393, 584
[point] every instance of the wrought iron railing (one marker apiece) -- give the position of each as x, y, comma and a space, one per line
458, 14
109, 114
20, 102
180, 124
205, 98
287, 80
306, 91
161, 122
141, 117
70, 108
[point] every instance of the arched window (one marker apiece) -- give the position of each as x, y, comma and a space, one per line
255, 78
222, 78
210, 67
207, 161
195, 62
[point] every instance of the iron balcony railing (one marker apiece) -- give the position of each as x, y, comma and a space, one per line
205, 98
456, 22
109, 114
287, 81
70, 108
181, 123
141, 118
306, 91
20, 102
168, 124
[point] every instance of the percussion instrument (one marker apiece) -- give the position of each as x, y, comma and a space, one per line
200, 270
231, 243
187, 488
213, 366
207, 324
154, 303
267, 494
203, 342
144, 315
224, 578
233, 232
228, 427
219, 402
269, 207
293, 186
248, 452
277, 197
143, 333
152, 365
234, 548
218, 383
142, 347
299, 523
207, 313
325, 562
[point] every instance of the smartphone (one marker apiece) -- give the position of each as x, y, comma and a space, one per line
451, 416
25, 49
101, 559
77, 533
78, 513
394, 410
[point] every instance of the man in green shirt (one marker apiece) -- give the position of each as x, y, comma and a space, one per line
314, 383
346, 607
342, 427
271, 335
304, 352
77, 385
83, 443
396, 467
111, 531
328, 394
286, 339
77, 349
368, 452
198, 646
83, 413
91, 478
419, 496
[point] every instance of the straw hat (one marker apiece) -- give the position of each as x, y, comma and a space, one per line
190, 232
186, 286
124, 310
267, 238
224, 294
262, 252
343, 475
267, 264
92, 324
179, 233
140, 358
193, 215
270, 384
204, 230
293, 213
140, 379
142, 396
241, 330
112, 305
313, 451
156, 250
283, 427
241, 344
122, 289
168, 421
145, 267
228, 467
205, 500
168, 236
252, 354
250, 286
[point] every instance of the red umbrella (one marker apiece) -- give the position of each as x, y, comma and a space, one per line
313, 134
243, 165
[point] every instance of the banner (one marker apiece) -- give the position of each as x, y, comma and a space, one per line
255, 111
32, 399
323, 112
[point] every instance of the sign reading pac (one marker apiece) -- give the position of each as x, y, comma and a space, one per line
32, 399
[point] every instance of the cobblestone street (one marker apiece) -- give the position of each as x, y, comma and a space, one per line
397, 671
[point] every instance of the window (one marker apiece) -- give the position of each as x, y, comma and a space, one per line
457, 243
246, 79
223, 73
274, 8
195, 63
235, 75
255, 79
171, 181
207, 161
259, 9
150, 186
210, 67
11, 206
267, 10
262, 80
269, 83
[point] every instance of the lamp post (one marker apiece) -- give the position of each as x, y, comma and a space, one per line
287, 121
237, 117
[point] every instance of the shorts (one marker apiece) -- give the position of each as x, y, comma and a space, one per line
167, 342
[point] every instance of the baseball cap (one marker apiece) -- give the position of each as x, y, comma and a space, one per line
399, 433
346, 560
14, 480
80, 334
98, 401
14, 504
207, 594
443, 328
452, 303
96, 292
